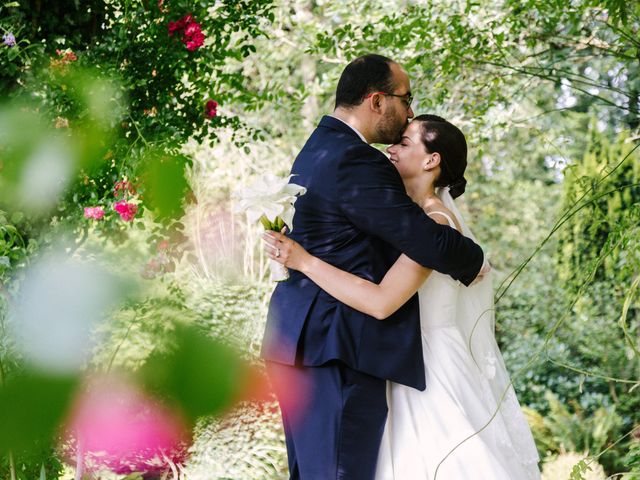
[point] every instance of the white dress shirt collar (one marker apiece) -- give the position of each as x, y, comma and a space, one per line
352, 128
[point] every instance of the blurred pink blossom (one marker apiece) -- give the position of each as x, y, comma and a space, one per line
94, 212
126, 210
116, 426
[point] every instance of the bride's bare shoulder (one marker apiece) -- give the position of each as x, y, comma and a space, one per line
436, 210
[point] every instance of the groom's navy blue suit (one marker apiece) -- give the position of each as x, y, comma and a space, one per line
357, 216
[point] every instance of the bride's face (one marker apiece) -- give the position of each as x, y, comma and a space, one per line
410, 155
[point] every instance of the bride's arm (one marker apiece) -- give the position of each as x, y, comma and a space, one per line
378, 300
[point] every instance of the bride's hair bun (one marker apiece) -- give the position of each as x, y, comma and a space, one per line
457, 188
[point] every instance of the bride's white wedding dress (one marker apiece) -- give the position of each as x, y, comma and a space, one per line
467, 424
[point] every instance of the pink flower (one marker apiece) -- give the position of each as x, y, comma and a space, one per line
65, 57
113, 424
94, 212
126, 210
211, 109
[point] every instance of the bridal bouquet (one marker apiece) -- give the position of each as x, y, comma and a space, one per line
270, 200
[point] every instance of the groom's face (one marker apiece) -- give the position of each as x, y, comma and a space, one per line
396, 112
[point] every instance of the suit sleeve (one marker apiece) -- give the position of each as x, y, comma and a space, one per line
373, 198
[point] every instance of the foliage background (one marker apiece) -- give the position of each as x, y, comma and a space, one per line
546, 93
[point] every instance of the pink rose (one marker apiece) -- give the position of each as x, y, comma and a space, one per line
126, 210
211, 109
94, 212
116, 425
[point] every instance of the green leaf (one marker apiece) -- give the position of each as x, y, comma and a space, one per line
266, 223
31, 408
200, 374
165, 184
13, 52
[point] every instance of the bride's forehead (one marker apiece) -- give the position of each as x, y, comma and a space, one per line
413, 129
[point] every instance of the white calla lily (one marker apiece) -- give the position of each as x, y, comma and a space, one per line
270, 199
269, 196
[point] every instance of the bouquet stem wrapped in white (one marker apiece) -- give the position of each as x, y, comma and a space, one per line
270, 200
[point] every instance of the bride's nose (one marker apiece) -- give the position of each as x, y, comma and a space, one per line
390, 148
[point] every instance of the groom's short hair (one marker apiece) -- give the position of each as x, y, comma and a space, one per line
364, 75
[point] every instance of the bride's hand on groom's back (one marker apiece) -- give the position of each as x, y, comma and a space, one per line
484, 271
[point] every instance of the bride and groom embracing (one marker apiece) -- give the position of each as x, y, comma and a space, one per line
377, 327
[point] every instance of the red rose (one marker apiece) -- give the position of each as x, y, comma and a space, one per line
196, 42
173, 27
211, 108
192, 35
192, 29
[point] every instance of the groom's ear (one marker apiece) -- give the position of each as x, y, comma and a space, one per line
375, 102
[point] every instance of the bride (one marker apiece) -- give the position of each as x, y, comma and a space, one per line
467, 424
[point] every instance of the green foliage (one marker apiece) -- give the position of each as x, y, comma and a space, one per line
632, 460
245, 443
179, 377
523, 79
14, 248
606, 183
168, 96
31, 408
165, 184
15, 59
578, 470
30, 465
575, 429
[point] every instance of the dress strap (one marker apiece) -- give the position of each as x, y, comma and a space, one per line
452, 224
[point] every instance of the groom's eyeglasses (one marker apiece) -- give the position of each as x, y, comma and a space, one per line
407, 98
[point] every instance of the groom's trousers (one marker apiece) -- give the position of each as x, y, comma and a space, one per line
333, 420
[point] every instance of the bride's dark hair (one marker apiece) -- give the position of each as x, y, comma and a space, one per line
443, 137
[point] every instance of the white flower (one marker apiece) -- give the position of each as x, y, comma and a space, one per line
270, 196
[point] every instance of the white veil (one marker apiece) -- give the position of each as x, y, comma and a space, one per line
476, 320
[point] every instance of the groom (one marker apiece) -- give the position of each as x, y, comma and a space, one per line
328, 363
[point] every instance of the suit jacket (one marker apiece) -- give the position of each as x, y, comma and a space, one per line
357, 216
